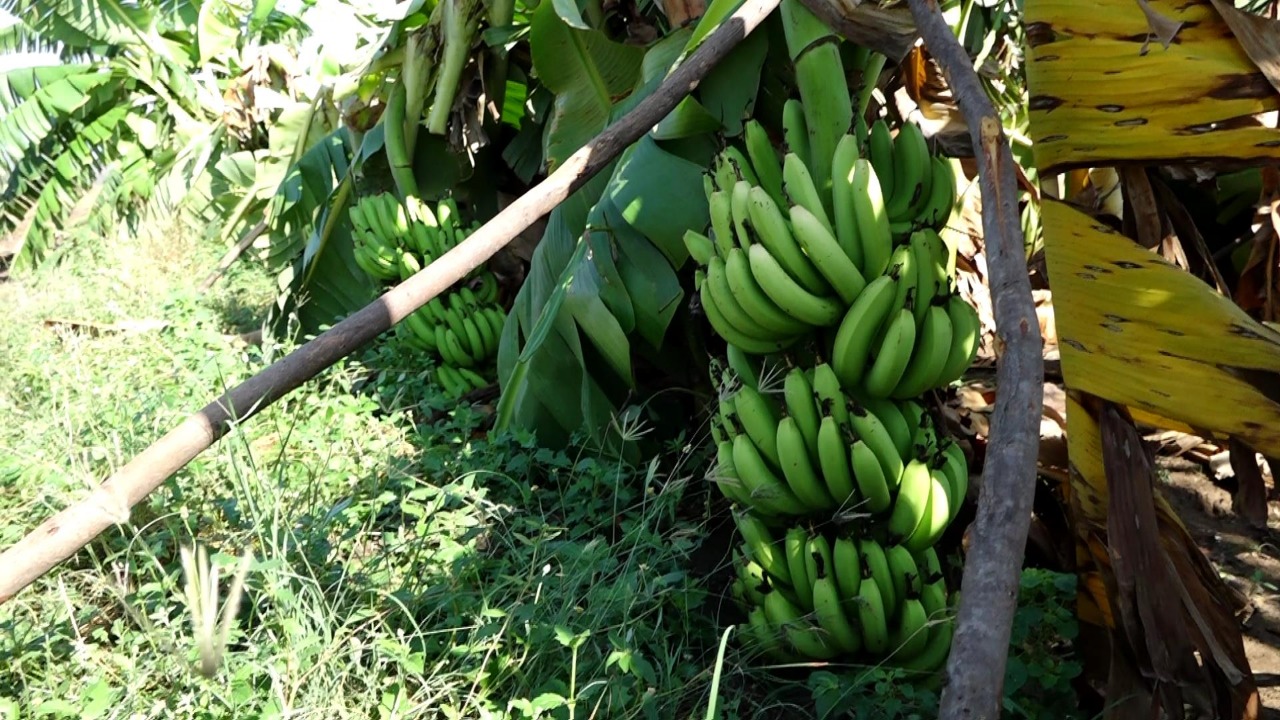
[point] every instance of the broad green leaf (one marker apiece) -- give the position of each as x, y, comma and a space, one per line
587, 72
660, 195
728, 92
217, 30
82, 24
571, 14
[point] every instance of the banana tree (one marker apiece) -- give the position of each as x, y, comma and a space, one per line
126, 107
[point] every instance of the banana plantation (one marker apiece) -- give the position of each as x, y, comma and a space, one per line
676, 358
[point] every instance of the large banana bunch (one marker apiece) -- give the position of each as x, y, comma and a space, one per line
461, 327
810, 595
856, 256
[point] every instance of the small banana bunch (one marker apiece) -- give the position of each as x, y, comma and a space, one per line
818, 451
461, 327
811, 596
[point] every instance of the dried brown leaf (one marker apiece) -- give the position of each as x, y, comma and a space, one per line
1147, 592
1258, 35
1250, 500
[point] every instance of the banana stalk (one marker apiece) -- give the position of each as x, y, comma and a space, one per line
824, 92
398, 156
460, 20
501, 14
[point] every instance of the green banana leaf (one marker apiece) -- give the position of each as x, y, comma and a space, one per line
611, 275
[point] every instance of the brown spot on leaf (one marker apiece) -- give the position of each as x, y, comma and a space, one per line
1073, 343
1131, 122
1053, 138
1171, 331
1126, 265
1098, 269
1242, 331
1087, 276
1233, 87
1044, 102
1040, 33
1111, 108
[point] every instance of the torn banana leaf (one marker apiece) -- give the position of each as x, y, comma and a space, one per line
1104, 89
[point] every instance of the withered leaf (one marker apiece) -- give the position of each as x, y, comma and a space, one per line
1258, 35
1250, 501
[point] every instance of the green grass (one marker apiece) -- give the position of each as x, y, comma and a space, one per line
395, 568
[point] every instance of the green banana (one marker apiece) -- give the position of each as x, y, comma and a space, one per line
797, 469
798, 396
794, 547
872, 620
936, 651
828, 610
938, 514
925, 366
700, 247
910, 635
764, 634
804, 637
871, 430
747, 369
753, 298
843, 213
893, 355
734, 335
893, 420
912, 504
903, 266
739, 164
720, 207
474, 379
911, 168
875, 565
795, 131
966, 329
765, 159
827, 255
873, 488
763, 486
761, 547
759, 418
831, 398
859, 328
451, 381
776, 236
846, 565
750, 573
915, 415
817, 555
833, 461
871, 217
929, 271
716, 283
880, 152
942, 195
804, 306
799, 186
739, 206
956, 469
930, 566
905, 575
725, 476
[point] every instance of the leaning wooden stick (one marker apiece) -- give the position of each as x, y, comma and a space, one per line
65, 533
989, 589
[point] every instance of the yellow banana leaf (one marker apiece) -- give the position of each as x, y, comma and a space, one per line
1104, 89
1139, 331
1136, 330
